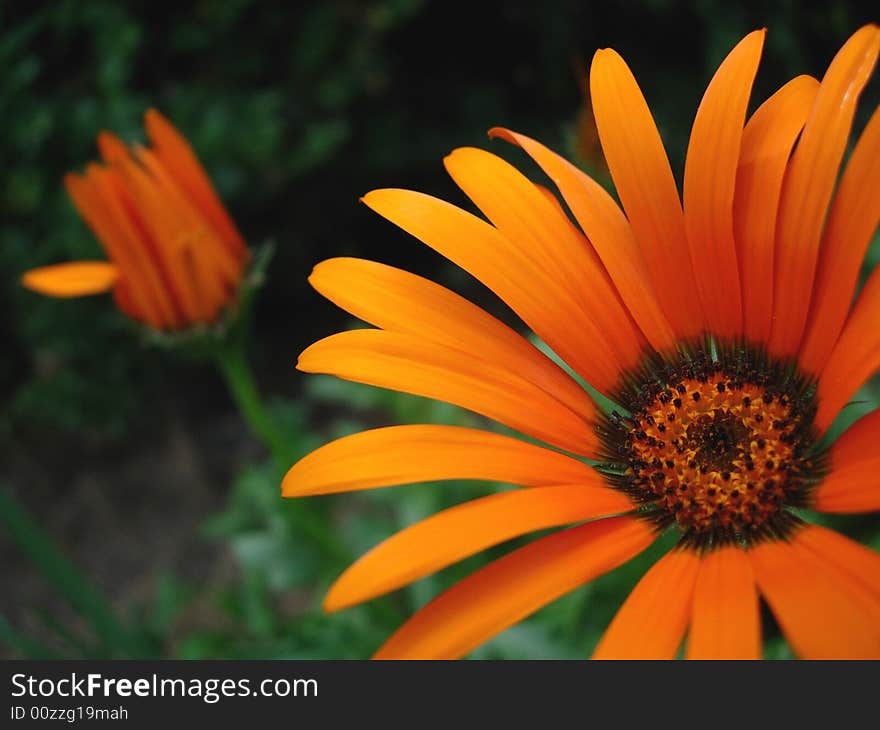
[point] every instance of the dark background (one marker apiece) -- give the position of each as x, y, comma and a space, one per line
126, 455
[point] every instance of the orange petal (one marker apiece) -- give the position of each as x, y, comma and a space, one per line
412, 365
851, 224
77, 279
809, 183
709, 181
861, 563
652, 621
644, 181
159, 227
112, 148
456, 533
409, 454
98, 204
823, 613
484, 252
543, 233
182, 241
402, 302
178, 156
855, 357
725, 622
223, 264
767, 141
852, 484
610, 234
506, 591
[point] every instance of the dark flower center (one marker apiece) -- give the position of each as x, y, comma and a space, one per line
719, 441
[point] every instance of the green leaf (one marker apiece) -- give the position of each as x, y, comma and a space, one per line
25, 645
68, 580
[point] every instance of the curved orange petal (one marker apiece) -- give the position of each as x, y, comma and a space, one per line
178, 157
652, 621
399, 301
456, 533
509, 589
544, 234
853, 482
213, 271
609, 233
822, 612
112, 148
855, 357
709, 181
809, 183
861, 563
76, 279
484, 252
767, 141
725, 623
159, 228
412, 365
201, 238
644, 182
393, 455
96, 201
851, 223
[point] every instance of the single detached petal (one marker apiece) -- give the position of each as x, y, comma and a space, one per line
725, 622
541, 231
412, 365
409, 454
644, 182
77, 279
609, 233
515, 586
461, 531
809, 183
709, 182
480, 249
855, 357
767, 141
853, 482
851, 224
652, 621
402, 302
822, 611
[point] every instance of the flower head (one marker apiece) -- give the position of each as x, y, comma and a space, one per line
175, 256
719, 324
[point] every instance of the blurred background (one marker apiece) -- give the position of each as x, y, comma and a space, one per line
140, 516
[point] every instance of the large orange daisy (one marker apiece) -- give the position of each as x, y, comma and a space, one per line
721, 326
176, 258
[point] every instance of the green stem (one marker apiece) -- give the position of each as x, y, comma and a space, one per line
236, 370
239, 377
117, 638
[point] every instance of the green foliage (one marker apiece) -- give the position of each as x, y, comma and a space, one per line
108, 636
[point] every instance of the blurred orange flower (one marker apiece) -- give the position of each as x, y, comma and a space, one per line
175, 256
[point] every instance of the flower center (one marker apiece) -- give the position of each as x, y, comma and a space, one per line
720, 445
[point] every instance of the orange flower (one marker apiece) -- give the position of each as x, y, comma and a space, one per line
721, 327
175, 256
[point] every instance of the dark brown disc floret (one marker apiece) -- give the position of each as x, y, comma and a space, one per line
719, 442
